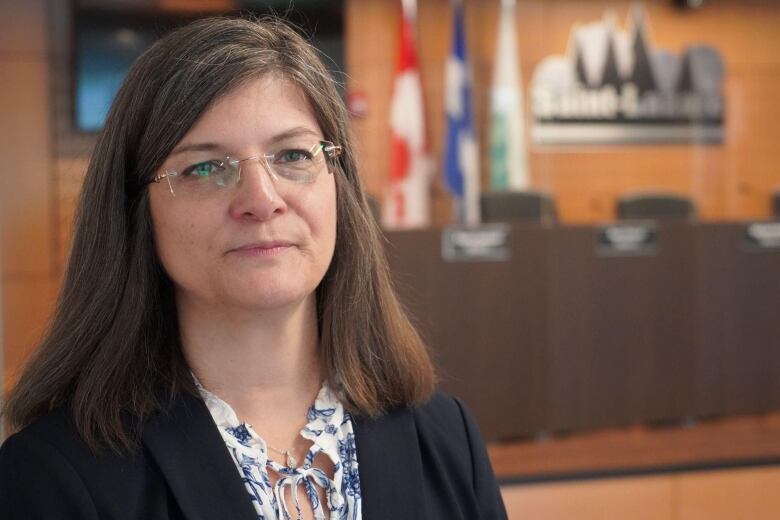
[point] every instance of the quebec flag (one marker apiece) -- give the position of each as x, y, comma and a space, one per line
461, 152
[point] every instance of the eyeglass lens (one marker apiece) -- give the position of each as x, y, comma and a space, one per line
290, 169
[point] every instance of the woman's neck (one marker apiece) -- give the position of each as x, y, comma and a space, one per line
261, 363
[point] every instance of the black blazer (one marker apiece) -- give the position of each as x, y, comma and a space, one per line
427, 462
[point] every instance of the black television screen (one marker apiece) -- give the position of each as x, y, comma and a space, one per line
108, 40
104, 53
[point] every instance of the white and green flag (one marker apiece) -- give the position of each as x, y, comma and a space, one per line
508, 153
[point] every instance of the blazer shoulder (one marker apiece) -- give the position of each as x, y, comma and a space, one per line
55, 429
444, 430
46, 468
449, 432
443, 414
38, 478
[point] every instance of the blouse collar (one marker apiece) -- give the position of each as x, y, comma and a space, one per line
324, 427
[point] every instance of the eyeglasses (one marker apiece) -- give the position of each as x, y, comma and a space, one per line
289, 166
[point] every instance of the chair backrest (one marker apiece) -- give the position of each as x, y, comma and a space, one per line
508, 206
776, 203
655, 206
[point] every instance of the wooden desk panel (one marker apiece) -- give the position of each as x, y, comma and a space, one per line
560, 339
486, 324
737, 350
621, 330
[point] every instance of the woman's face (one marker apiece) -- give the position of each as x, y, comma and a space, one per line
261, 243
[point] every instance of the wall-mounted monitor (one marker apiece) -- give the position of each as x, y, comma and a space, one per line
109, 37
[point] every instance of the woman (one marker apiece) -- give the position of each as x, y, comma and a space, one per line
227, 343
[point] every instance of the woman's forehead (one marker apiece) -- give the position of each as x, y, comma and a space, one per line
257, 112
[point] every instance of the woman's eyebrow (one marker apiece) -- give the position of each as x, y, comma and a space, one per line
294, 132
210, 147
196, 147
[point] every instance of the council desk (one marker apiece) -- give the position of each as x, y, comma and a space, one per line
564, 336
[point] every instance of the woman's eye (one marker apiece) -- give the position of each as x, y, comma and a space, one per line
204, 168
291, 156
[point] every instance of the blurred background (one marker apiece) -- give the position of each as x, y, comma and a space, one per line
582, 209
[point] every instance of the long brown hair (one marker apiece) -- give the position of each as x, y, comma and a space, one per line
112, 350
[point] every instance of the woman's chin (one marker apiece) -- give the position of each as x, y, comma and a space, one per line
269, 299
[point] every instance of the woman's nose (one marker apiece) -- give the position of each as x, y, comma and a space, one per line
256, 194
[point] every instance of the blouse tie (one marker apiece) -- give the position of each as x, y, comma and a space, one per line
329, 428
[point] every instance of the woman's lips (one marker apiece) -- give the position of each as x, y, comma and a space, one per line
263, 249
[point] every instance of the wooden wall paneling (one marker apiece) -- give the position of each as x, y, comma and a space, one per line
751, 165
24, 147
22, 30
744, 56
27, 307
744, 32
602, 174
26, 195
370, 30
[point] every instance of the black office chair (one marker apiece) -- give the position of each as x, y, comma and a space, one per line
776, 203
656, 206
509, 206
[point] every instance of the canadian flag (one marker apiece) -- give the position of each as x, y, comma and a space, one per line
407, 202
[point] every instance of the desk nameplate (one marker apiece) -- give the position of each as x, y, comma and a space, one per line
485, 243
627, 239
762, 236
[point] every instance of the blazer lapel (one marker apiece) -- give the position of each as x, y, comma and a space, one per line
193, 458
390, 466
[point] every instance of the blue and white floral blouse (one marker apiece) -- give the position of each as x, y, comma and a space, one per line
330, 430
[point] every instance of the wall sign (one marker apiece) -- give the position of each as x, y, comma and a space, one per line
614, 88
